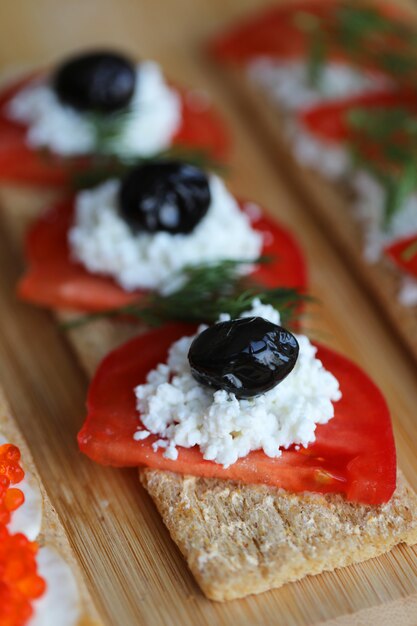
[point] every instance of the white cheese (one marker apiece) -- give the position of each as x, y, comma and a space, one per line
407, 295
27, 519
287, 82
154, 117
330, 159
60, 604
103, 242
182, 412
369, 209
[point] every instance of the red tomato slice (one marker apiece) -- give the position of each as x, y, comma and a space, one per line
329, 121
201, 128
404, 254
54, 280
354, 454
273, 32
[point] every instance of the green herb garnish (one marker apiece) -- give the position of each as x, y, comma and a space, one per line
103, 168
203, 292
364, 35
108, 128
384, 142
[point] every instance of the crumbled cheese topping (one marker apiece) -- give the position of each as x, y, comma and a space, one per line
330, 159
369, 208
288, 84
103, 242
154, 117
407, 295
182, 412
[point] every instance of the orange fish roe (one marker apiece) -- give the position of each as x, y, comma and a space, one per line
10, 473
20, 583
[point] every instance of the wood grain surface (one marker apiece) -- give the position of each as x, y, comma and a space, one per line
132, 569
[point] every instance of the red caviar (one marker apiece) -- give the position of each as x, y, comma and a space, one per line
20, 582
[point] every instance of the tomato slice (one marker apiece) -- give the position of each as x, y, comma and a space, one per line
404, 254
201, 128
330, 121
354, 454
55, 280
272, 32
275, 31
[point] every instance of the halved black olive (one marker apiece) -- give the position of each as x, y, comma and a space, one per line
246, 356
170, 196
99, 81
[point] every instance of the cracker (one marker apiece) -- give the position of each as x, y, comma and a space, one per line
243, 539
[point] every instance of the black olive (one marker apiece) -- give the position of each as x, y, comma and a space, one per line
246, 356
169, 196
96, 81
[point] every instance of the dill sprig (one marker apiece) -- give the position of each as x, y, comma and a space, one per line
104, 167
200, 293
108, 128
364, 35
384, 142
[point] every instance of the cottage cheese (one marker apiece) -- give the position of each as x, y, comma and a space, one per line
407, 295
287, 82
103, 242
151, 123
61, 603
329, 159
184, 413
369, 209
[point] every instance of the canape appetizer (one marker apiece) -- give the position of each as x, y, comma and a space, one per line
111, 245
42, 590
309, 51
269, 458
377, 135
98, 104
361, 140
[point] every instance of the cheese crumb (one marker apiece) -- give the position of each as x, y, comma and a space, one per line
141, 434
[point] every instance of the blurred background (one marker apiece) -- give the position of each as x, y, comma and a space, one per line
43, 30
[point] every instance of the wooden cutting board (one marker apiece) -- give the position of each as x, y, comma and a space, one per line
132, 569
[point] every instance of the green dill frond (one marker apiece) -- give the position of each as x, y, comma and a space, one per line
202, 292
384, 142
105, 167
364, 35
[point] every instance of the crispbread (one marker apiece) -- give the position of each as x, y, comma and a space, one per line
242, 539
